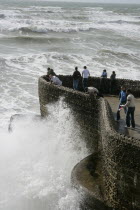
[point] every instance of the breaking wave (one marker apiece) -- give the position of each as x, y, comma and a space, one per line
59, 19
37, 176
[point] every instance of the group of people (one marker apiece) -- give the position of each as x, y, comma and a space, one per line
51, 76
77, 75
103, 82
85, 75
126, 97
127, 102
104, 75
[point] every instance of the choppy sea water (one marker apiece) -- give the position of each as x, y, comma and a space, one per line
33, 36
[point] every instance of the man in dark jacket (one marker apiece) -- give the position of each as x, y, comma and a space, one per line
76, 76
112, 82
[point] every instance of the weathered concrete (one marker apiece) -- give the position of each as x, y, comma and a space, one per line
120, 158
119, 155
87, 177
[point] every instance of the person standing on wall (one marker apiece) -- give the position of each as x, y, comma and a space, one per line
103, 82
85, 76
104, 74
112, 82
123, 99
130, 104
76, 76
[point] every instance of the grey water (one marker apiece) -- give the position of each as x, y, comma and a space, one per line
35, 35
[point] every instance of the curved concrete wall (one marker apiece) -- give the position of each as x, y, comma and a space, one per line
104, 85
119, 155
121, 164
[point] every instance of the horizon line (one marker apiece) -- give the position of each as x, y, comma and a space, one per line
83, 1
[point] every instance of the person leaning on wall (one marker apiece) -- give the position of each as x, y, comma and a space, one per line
49, 71
55, 80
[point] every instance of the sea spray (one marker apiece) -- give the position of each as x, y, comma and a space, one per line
36, 160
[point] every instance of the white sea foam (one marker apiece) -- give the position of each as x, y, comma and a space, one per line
45, 19
39, 156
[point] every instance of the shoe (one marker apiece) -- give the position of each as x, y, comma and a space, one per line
127, 126
133, 128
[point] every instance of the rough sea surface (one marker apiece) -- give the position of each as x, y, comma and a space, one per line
36, 159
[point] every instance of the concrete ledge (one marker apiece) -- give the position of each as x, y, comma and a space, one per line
87, 177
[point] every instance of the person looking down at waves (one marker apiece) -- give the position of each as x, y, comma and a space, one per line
55, 80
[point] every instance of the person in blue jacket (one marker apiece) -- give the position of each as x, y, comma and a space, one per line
104, 74
123, 99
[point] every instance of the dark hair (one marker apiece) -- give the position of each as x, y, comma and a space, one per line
85, 67
129, 91
48, 70
76, 68
104, 70
52, 72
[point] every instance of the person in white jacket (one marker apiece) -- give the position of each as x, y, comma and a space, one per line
55, 80
85, 76
130, 104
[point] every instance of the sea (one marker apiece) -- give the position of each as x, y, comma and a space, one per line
37, 157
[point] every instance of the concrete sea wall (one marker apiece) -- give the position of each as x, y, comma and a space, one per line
104, 85
116, 170
121, 164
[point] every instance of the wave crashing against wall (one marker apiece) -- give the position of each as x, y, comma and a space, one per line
119, 155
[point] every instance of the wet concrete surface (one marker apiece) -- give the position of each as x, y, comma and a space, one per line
114, 102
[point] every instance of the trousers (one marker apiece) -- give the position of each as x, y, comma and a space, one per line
130, 117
